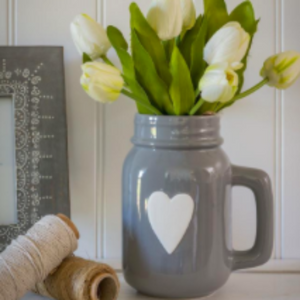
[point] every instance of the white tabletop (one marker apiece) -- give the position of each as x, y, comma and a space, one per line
241, 286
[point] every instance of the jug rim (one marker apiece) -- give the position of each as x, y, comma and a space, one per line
217, 115
177, 132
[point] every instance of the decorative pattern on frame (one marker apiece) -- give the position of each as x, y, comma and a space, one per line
35, 164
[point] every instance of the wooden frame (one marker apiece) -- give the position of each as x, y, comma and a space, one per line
34, 76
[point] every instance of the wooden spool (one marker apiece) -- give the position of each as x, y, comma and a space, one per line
70, 224
103, 286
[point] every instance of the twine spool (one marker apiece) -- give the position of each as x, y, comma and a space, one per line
80, 279
30, 258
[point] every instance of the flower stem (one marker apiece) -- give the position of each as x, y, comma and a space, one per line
252, 90
169, 47
196, 107
245, 94
220, 106
182, 35
197, 92
136, 99
106, 60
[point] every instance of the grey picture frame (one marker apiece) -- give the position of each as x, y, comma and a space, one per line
34, 77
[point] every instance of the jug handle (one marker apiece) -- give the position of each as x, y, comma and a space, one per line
259, 182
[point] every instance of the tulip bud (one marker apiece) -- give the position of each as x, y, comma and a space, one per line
188, 14
165, 17
219, 83
282, 69
229, 44
102, 82
89, 37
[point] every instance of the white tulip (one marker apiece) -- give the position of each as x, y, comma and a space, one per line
188, 14
89, 36
229, 44
219, 83
165, 17
282, 69
102, 82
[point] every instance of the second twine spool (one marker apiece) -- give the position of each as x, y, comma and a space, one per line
80, 279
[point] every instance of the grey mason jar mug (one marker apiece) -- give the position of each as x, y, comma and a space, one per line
177, 185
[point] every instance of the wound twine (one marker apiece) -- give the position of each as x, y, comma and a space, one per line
80, 279
30, 258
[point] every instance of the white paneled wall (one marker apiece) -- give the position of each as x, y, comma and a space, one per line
262, 131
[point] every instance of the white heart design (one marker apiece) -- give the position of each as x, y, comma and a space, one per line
170, 218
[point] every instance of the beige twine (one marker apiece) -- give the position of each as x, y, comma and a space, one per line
30, 258
80, 279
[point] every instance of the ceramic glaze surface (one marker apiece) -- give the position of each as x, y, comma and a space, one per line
172, 248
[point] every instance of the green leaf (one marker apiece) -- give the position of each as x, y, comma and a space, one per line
119, 43
148, 76
116, 38
217, 15
198, 64
151, 42
86, 58
245, 15
169, 46
181, 90
188, 40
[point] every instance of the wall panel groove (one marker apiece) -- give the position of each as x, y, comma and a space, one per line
282, 144
100, 188
278, 141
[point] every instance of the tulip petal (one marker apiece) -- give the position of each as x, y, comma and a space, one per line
222, 46
188, 14
213, 78
102, 82
212, 93
229, 44
165, 17
237, 65
282, 70
89, 36
244, 45
219, 83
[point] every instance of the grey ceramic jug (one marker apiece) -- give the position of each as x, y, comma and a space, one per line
177, 185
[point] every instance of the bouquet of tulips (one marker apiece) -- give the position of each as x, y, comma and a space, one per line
178, 64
